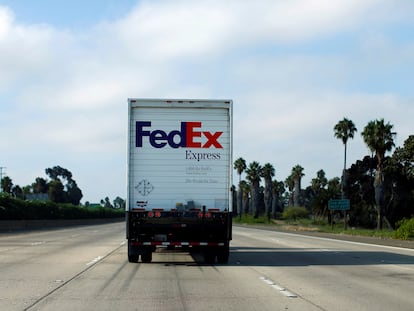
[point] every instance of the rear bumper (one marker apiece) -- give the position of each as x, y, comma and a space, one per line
174, 228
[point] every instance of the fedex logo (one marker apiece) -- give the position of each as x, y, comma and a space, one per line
189, 135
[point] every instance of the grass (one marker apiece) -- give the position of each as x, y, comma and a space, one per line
318, 225
251, 220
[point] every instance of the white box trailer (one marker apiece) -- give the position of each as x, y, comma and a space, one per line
179, 177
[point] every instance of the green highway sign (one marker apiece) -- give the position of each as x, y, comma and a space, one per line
339, 205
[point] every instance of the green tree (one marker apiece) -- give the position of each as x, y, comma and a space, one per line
318, 186
57, 171
40, 185
379, 138
399, 183
106, 203
239, 166
297, 174
17, 192
361, 192
253, 174
245, 189
320, 181
6, 184
56, 191
344, 130
290, 183
119, 203
74, 193
278, 188
334, 189
27, 190
268, 171
405, 156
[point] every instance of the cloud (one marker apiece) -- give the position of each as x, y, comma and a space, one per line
181, 29
290, 128
6, 17
284, 64
27, 50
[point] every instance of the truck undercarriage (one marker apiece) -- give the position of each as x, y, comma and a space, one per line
208, 231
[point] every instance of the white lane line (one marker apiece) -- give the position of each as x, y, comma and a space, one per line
37, 243
346, 242
95, 260
279, 288
288, 294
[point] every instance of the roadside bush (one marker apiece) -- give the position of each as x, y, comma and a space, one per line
17, 209
295, 213
405, 229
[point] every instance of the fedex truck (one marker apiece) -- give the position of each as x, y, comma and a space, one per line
179, 177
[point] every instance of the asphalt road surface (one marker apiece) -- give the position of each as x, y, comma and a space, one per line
86, 268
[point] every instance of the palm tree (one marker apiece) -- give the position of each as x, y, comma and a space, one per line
268, 171
318, 186
297, 174
245, 189
289, 182
253, 174
379, 138
239, 166
344, 130
278, 188
334, 187
319, 182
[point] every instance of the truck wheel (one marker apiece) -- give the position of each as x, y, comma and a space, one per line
223, 255
133, 255
209, 256
133, 258
146, 257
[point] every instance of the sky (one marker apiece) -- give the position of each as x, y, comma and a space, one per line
292, 68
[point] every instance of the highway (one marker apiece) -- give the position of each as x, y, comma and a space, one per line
86, 268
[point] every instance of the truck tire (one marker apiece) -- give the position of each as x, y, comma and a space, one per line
146, 257
209, 256
133, 258
223, 255
133, 255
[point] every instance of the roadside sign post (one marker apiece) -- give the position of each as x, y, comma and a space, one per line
339, 205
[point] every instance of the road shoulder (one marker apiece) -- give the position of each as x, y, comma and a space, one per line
342, 237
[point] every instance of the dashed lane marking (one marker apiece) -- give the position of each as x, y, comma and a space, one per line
279, 288
95, 260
